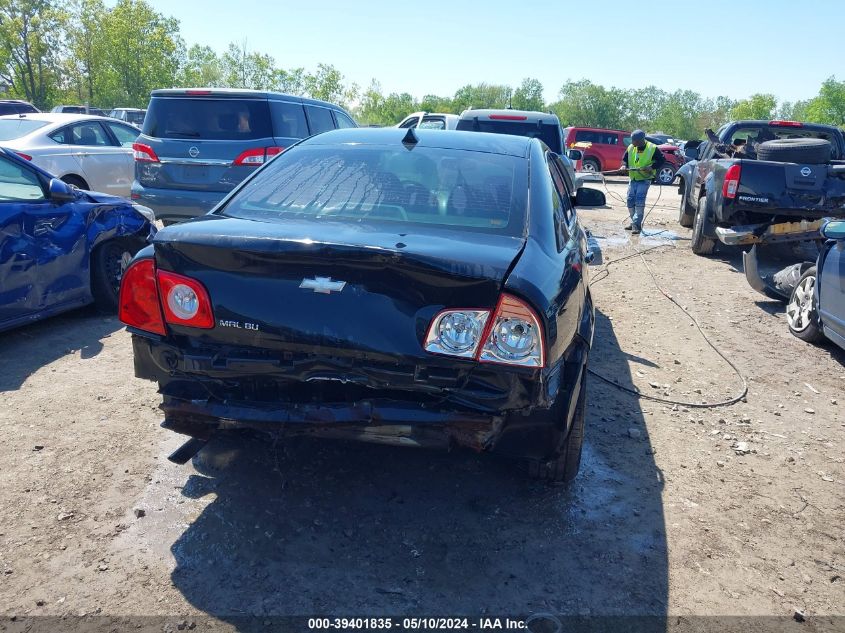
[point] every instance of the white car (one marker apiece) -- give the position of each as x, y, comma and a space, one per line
90, 152
430, 121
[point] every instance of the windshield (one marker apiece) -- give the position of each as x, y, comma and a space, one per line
425, 186
213, 119
549, 134
16, 128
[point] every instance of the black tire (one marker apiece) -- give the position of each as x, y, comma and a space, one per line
108, 262
802, 316
700, 243
812, 151
563, 467
76, 181
590, 164
665, 175
685, 218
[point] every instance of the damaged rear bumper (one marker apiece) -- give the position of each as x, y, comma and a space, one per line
766, 233
481, 407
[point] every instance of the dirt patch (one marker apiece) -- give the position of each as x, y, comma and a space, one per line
737, 510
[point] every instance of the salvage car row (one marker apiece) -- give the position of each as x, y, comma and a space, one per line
404, 286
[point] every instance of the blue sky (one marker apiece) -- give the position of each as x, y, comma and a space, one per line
717, 47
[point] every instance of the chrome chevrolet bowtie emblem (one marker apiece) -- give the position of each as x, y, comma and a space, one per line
323, 285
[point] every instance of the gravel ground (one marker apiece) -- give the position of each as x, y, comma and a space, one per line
735, 510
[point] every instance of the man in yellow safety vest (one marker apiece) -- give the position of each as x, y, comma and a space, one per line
642, 160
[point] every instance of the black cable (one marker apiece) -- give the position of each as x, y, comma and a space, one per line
640, 394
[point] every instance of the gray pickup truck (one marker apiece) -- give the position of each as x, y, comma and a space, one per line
757, 182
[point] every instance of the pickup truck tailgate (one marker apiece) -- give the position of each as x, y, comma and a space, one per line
806, 191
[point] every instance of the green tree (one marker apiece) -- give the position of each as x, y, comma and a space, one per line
244, 69
529, 96
584, 103
203, 68
325, 84
757, 106
679, 114
434, 103
87, 52
481, 95
31, 47
144, 52
291, 81
829, 106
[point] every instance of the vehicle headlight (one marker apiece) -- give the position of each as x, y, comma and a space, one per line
148, 213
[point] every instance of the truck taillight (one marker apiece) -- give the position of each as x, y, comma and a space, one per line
786, 124
144, 153
513, 335
731, 185
257, 156
138, 304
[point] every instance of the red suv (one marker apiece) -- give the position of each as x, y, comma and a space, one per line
607, 147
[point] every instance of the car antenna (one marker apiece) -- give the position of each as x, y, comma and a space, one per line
410, 138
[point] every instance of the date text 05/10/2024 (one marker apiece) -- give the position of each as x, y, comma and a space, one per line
416, 624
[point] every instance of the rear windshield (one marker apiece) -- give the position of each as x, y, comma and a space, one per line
432, 186
549, 134
208, 119
16, 128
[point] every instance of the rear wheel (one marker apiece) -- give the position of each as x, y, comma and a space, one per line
591, 165
108, 263
700, 243
801, 314
563, 466
76, 181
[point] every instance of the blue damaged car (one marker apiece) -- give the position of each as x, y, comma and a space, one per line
60, 247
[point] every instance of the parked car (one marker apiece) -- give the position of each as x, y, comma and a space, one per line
659, 138
430, 121
542, 125
135, 116
814, 291
16, 106
86, 151
78, 109
197, 145
383, 285
61, 248
607, 147
762, 181
674, 160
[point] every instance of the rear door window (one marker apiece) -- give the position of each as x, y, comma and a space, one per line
433, 123
89, 133
288, 119
343, 121
208, 119
320, 119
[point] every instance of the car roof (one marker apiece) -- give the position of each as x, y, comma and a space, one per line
444, 139
531, 116
128, 109
56, 117
596, 129
234, 93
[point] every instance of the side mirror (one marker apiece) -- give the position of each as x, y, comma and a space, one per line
60, 191
587, 197
574, 154
834, 230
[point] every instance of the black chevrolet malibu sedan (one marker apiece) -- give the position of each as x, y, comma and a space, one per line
410, 287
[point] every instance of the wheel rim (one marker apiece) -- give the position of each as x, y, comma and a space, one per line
666, 175
800, 308
116, 264
590, 166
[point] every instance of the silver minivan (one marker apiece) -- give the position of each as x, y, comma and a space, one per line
198, 144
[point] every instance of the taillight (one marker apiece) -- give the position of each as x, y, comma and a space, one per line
257, 156
198, 92
138, 304
786, 123
144, 153
731, 185
185, 301
456, 332
513, 336
24, 156
508, 117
